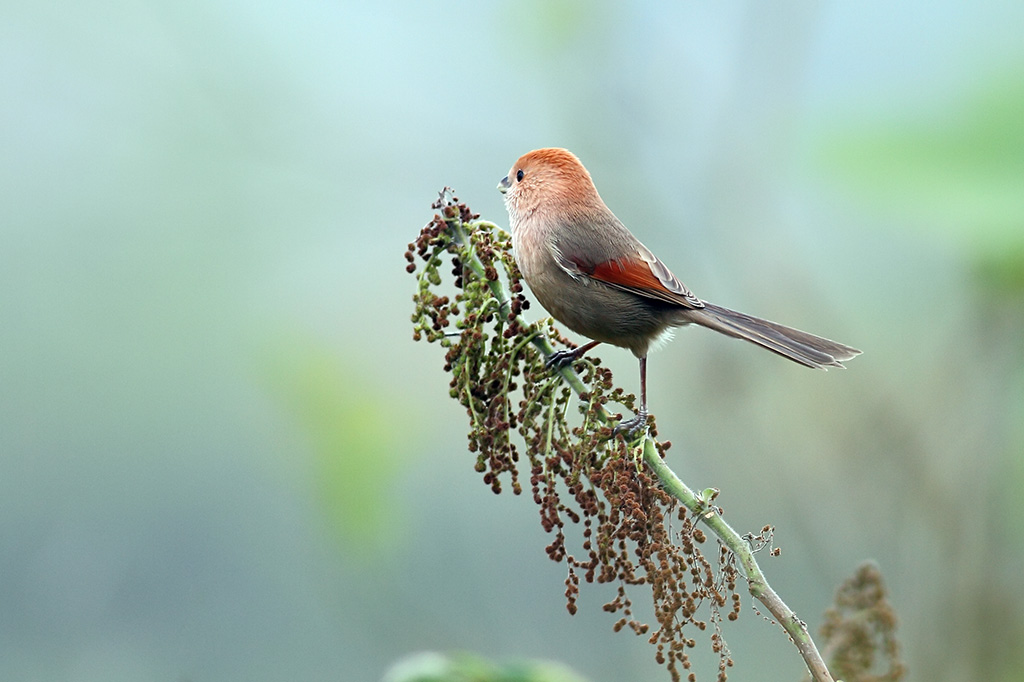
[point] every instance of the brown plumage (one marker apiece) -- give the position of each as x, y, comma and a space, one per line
595, 277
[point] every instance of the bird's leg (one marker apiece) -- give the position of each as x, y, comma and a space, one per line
565, 357
631, 426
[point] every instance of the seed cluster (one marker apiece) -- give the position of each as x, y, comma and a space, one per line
524, 417
860, 630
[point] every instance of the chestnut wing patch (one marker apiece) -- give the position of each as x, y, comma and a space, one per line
645, 276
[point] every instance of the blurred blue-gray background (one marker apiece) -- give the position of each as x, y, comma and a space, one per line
223, 458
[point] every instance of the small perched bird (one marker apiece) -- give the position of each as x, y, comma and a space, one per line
597, 279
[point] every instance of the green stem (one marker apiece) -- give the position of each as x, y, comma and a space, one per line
756, 581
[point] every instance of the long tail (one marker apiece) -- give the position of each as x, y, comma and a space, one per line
807, 349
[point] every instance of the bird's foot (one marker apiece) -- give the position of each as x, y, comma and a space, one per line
562, 358
629, 427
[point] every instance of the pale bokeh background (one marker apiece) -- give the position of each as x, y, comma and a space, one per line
223, 458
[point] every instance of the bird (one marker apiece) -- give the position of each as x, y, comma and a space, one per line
591, 274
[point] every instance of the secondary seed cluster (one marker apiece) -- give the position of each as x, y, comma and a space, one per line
524, 417
860, 630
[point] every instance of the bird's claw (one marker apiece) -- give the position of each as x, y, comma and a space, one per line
560, 359
630, 427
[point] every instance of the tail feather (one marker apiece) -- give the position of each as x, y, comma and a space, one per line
807, 349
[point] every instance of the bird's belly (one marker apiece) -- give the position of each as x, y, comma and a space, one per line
603, 313
586, 306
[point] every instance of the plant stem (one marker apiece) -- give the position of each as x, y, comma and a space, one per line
756, 581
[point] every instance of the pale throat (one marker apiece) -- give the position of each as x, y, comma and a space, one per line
528, 238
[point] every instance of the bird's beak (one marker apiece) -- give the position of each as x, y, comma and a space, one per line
504, 185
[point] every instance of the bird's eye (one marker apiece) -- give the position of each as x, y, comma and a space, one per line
519, 175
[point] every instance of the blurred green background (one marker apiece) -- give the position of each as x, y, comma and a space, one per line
223, 458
